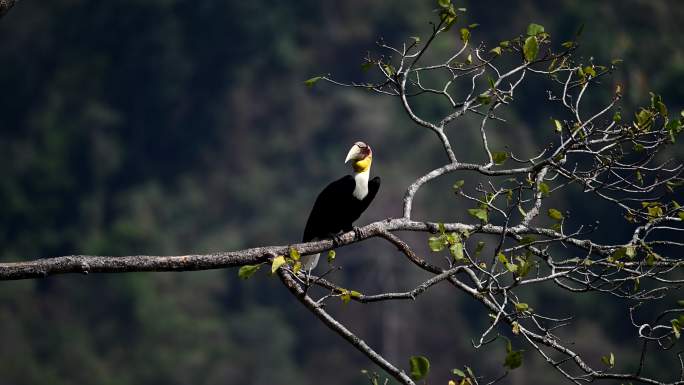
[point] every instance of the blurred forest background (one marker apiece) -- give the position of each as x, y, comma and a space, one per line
171, 127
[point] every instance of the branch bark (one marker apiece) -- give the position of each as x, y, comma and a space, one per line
85, 264
5, 6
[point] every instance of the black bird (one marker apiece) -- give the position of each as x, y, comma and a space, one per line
342, 201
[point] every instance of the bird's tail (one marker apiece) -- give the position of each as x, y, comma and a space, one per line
310, 261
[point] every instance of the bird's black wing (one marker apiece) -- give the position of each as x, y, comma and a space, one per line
328, 208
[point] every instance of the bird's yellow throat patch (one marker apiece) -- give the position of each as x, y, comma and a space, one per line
363, 164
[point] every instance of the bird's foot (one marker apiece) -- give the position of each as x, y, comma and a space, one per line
337, 240
357, 233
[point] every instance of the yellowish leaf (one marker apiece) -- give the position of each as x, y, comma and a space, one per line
277, 262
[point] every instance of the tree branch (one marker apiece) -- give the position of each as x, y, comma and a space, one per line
340, 329
44, 267
5, 6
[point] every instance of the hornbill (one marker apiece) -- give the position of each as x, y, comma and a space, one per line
341, 202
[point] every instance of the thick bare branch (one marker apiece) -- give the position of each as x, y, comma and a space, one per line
5, 6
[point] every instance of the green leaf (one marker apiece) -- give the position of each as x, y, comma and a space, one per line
513, 359
312, 81
389, 69
496, 51
617, 117
590, 71
480, 214
639, 177
346, 296
544, 189
444, 3
630, 252
436, 244
294, 254
559, 125
512, 267
331, 256
449, 17
662, 109
644, 120
355, 294
526, 240
524, 266
492, 84
459, 184
277, 262
458, 372
247, 271
465, 34
555, 214
655, 211
522, 306
420, 367
534, 29
674, 128
502, 258
457, 251
680, 302
676, 328
617, 254
499, 157
484, 98
531, 48
609, 360
442, 228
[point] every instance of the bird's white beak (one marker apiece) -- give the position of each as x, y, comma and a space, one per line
355, 153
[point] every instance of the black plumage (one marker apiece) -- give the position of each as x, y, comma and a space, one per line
336, 208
